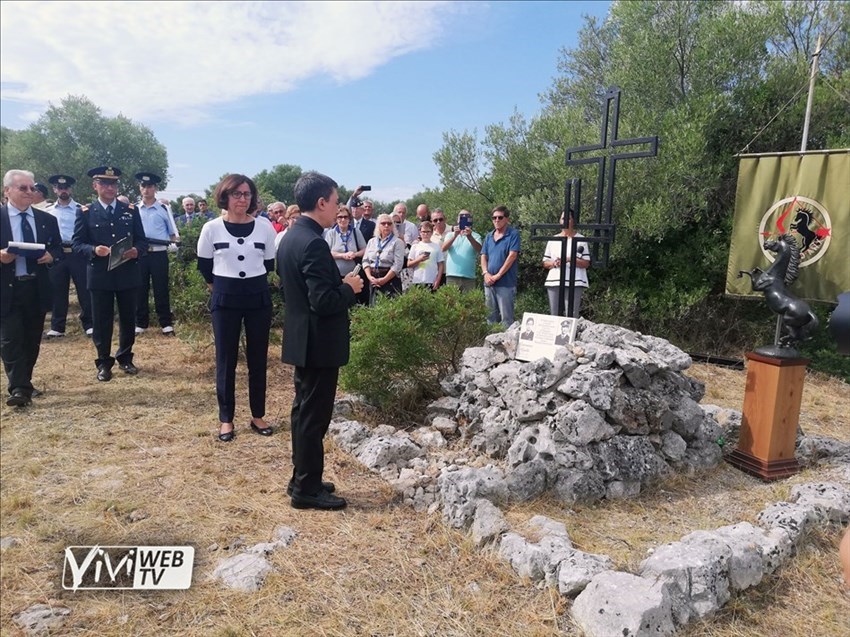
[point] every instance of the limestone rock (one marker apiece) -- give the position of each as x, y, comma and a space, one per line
505, 375
575, 486
625, 605
479, 359
445, 406
530, 443
526, 558
622, 489
748, 562
446, 426
528, 480
429, 439
9, 542
525, 405
667, 353
506, 342
245, 572
348, 434
580, 424
498, 429
814, 449
796, 518
697, 568
547, 526
831, 499
381, 451
284, 536
630, 458
673, 446
488, 524
41, 619
592, 385
539, 375
577, 570
460, 489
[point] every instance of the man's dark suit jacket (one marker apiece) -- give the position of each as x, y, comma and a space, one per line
46, 232
367, 229
94, 227
315, 329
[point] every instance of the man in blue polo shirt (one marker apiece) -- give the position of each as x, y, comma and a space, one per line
499, 264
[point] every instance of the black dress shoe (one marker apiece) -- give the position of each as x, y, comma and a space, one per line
227, 436
264, 431
104, 373
36, 393
322, 500
19, 398
330, 487
129, 368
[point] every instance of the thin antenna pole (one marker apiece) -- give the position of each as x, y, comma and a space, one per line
815, 56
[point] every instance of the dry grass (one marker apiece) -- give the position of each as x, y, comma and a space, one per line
87, 454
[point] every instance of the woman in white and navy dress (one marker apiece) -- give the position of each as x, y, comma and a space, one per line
235, 255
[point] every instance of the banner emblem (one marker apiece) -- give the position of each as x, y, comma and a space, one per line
804, 218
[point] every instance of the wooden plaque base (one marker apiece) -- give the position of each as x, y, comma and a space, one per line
770, 417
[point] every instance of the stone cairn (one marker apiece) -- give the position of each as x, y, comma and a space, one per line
611, 414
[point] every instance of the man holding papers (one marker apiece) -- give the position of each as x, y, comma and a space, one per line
101, 229
25, 293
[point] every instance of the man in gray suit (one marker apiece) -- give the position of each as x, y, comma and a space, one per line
315, 334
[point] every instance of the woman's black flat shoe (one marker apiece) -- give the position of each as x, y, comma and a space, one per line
265, 431
228, 436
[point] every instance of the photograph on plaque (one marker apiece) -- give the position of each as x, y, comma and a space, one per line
541, 334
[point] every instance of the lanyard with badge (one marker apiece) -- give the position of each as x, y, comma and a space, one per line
381, 246
344, 237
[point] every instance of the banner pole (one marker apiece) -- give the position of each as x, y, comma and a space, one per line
805, 141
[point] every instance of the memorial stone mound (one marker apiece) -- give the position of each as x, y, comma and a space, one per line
609, 415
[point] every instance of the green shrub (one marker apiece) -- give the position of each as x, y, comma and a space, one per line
403, 347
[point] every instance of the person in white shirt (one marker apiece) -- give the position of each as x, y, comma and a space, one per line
552, 263
426, 259
72, 265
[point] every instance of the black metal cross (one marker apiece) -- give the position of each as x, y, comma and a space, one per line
603, 213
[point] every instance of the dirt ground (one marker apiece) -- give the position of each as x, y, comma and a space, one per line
135, 461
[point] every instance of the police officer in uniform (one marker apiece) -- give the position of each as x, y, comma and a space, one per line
159, 226
72, 266
98, 227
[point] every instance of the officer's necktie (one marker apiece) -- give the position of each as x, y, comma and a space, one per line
29, 237
109, 210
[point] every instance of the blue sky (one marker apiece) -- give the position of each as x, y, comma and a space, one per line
360, 91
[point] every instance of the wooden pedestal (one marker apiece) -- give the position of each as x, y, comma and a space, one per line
771, 414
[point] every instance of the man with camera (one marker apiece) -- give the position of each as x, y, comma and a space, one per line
461, 247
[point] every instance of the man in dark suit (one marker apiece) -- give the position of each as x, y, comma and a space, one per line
98, 227
315, 334
25, 292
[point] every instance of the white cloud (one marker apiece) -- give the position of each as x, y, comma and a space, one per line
199, 54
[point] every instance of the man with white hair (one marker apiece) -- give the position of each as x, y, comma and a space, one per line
25, 281
404, 229
189, 211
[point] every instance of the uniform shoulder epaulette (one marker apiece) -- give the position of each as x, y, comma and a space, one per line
84, 208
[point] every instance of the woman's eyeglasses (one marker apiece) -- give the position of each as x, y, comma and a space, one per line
386, 223
238, 194
343, 217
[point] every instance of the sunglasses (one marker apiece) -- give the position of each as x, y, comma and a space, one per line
343, 217
437, 220
386, 223
498, 217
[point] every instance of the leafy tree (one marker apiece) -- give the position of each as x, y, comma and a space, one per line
75, 136
279, 182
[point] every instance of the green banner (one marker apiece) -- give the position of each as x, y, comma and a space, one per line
806, 195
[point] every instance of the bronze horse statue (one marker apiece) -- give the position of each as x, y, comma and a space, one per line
798, 320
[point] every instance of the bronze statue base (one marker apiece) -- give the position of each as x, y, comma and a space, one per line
777, 351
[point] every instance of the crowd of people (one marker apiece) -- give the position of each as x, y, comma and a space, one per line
328, 255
